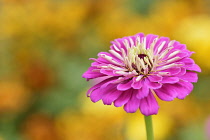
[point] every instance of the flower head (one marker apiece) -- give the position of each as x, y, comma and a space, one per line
138, 67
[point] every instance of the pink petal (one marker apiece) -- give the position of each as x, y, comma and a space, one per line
108, 72
100, 60
111, 96
136, 84
194, 67
180, 46
125, 86
96, 95
121, 44
100, 85
148, 105
190, 76
166, 92
150, 39
128, 40
140, 34
123, 98
155, 78
188, 62
111, 81
181, 55
159, 42
115, 46
110, 55
143, 92
183, 89
152, 85
133, 104
95, 64
91, 74
182, 72
173, 71
170, 80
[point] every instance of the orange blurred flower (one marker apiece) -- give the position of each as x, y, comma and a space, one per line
14, 97
39, 127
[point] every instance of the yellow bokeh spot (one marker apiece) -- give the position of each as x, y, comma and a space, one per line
162, 126
195, 32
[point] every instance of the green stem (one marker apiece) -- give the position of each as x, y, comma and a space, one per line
149, 129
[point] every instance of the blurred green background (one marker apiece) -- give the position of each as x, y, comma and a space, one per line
44, 49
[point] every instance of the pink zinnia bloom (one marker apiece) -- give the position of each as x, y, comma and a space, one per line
138, 67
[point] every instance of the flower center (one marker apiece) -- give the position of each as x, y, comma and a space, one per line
139, 59
143, 70
141, 56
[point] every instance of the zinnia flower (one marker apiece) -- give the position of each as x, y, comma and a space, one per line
137, 68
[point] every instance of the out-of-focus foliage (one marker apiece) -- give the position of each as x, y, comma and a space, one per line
44, 49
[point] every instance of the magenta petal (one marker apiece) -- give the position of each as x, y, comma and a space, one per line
155, 78
111, 96
182, 72
183, 89
148, 105
111, 81
100, 60
140, 35
150, 39
180, 46
96, 95
132, 105
143, 92
108, 72
170, 80
95, 64
99, 92
159, 42
173, 71
119, 43
194, 67
90, 73
190, 76
110, 55
123, 98
154, 85
186, 89
125, 86
136, 84
166, 93
100, 84
182, 55
188, 62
